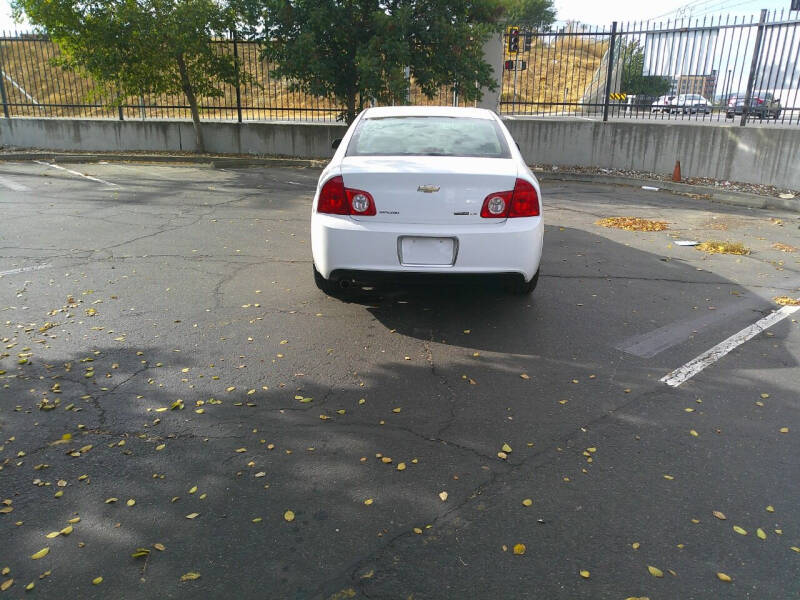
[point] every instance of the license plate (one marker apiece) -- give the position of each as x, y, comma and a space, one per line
427, 251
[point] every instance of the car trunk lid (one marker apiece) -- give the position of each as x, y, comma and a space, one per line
428, 189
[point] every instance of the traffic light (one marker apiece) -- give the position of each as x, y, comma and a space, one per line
513, 40
528, 39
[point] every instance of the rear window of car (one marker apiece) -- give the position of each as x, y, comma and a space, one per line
428, 136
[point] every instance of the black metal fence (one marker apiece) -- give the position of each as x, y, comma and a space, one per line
31, 86
714, 69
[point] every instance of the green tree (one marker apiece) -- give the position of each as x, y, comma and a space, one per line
131, 47
356, 51
633, 80
530, 14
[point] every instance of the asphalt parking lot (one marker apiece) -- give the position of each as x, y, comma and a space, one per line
171, 380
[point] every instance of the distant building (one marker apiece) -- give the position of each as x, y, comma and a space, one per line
698, 84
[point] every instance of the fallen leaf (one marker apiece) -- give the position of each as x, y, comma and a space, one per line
190, 576
635, 545
192, 515
6, 584
519, 549
67, 530
506, 448
770, 508
585, 574
739, 530
693, 432
443, 496
633, 224
401, 466
160, 547
525, 376
784, 430
417, 530
719, 515
140, 552
131, 502
761, 534
527, 502
655, 571
289, 516
723, 577
110, 500
368, 501
53, 534
40, 554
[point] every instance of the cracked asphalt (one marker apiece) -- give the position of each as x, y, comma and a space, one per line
163, 345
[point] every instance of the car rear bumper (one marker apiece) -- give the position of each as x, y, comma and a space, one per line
344, 248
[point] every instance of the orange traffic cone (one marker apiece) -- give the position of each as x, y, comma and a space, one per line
676, 172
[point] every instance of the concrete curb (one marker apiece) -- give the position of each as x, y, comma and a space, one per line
742, 199
216, 162
715, 195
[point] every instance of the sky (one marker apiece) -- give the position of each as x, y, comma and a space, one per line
596, 12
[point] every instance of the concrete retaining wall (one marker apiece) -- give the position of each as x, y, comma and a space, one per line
768, 155
302, 140
752, 154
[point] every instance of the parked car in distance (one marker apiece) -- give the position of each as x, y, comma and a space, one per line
762, 105
420, 193
691, 103
662, 104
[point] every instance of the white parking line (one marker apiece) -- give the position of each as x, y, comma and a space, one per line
55, 166
24, 269
13, 185
694, 366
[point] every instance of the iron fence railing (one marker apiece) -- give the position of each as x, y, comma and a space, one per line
714, 69
31, 86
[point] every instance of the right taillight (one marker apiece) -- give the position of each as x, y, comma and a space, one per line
522, 201
525, 202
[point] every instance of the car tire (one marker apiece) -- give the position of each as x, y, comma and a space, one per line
521, 287
325, 285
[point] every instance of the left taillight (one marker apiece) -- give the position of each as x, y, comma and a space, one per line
522, 201
332, 199
335, 199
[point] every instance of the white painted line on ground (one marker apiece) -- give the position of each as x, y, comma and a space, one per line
24, 269
55, 166
694, 366
13, 185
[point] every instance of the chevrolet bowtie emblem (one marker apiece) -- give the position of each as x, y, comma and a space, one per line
428, 189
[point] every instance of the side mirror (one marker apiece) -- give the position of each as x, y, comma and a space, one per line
336, 143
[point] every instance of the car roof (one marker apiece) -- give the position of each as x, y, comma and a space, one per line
427, 111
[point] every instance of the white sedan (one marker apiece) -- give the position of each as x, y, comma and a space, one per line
422, 192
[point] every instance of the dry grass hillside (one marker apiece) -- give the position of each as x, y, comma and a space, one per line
560, 68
